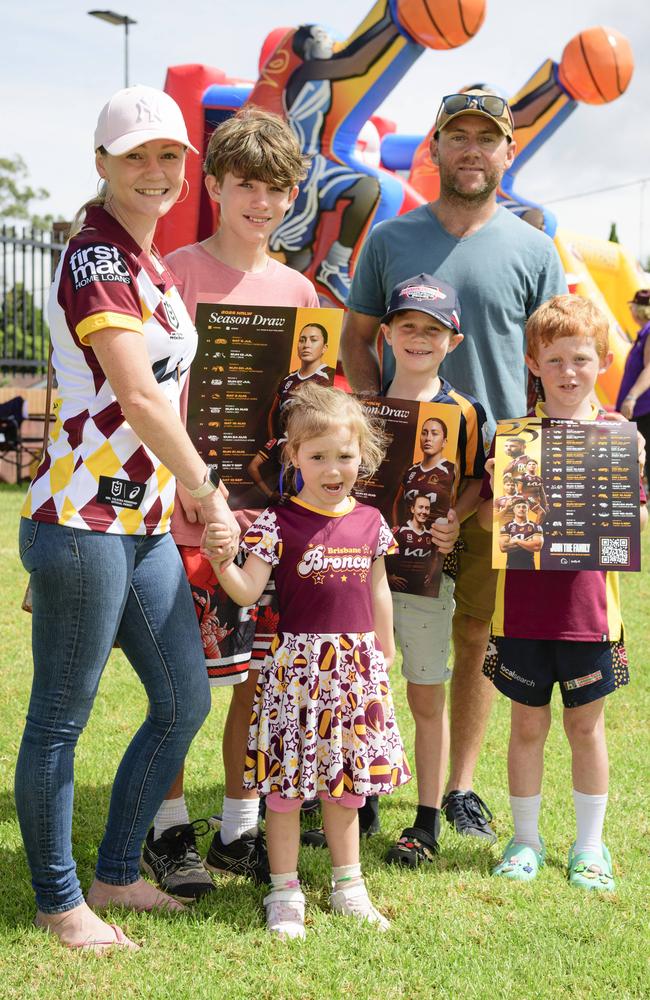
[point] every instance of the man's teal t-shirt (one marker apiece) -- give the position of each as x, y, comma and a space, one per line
502, 273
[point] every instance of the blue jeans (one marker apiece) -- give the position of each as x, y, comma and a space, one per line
89, 589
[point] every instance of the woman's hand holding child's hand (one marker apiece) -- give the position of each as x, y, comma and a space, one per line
219, 546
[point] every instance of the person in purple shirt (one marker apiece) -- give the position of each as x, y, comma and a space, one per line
323, 722
634, 394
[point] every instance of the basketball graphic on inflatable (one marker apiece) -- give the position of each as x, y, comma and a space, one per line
597, 65
440, 24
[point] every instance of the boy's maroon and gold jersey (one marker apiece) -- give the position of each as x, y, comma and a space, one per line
96, 472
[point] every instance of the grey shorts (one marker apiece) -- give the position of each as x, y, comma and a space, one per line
423, 631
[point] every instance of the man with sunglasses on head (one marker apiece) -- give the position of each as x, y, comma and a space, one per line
503, 270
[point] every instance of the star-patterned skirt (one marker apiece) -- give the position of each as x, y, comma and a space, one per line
323, 720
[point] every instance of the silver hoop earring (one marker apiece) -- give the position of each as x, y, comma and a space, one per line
187, 193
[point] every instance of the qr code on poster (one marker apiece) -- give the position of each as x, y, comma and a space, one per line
614, 551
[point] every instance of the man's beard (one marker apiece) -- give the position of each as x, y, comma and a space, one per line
477, 196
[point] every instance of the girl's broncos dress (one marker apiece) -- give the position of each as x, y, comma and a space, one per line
323, 719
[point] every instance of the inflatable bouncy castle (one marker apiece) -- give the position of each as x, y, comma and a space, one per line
363, 170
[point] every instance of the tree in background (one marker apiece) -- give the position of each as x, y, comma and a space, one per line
613, 235
17, 195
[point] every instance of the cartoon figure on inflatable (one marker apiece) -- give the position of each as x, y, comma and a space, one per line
329, 90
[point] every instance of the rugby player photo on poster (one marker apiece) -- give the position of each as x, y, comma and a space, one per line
413, 568
520, 506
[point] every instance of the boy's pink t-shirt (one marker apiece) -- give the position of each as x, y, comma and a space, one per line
203, 278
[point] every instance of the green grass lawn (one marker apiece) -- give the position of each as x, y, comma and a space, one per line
456, 932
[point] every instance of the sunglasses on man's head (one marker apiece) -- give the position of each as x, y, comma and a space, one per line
490, 103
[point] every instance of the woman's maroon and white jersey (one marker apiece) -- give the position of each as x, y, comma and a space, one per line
437, 484
322, 563
96, 472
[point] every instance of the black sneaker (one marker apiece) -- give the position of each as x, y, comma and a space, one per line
469, 815
174, 862
245, 856
415, 847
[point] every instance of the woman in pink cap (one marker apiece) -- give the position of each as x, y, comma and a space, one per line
94, 532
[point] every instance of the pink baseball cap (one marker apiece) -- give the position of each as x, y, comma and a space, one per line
136, 115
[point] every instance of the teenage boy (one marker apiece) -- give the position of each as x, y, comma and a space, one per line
562, 627
422, 326
252, 169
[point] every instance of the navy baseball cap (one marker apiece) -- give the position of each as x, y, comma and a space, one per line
426, 294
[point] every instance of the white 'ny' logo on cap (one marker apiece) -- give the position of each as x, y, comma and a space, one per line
147, 112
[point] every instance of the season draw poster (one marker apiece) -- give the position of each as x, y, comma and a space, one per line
566, 495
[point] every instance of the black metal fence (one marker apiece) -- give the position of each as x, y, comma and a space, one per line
28, 259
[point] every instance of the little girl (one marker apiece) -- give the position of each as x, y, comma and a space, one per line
323, 722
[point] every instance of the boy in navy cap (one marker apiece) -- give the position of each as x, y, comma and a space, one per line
422, 326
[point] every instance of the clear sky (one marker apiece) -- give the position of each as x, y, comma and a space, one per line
59, 67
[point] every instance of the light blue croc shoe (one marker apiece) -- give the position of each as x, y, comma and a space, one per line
589, 870
520, 862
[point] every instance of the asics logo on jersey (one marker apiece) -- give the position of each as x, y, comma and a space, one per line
99, 262
147, 112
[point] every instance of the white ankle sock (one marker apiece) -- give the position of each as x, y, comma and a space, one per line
346, 875
171, 813
238, 816
286, 880
525, 813
590, 816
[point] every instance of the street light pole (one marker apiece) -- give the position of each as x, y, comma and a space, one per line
112, 18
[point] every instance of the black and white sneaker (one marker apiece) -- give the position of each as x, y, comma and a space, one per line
244, 856
174, 863
469, 815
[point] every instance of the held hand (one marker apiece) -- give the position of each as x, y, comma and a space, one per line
218, 545
489, 468
191, 507
217, 539
221, 536
445, 532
